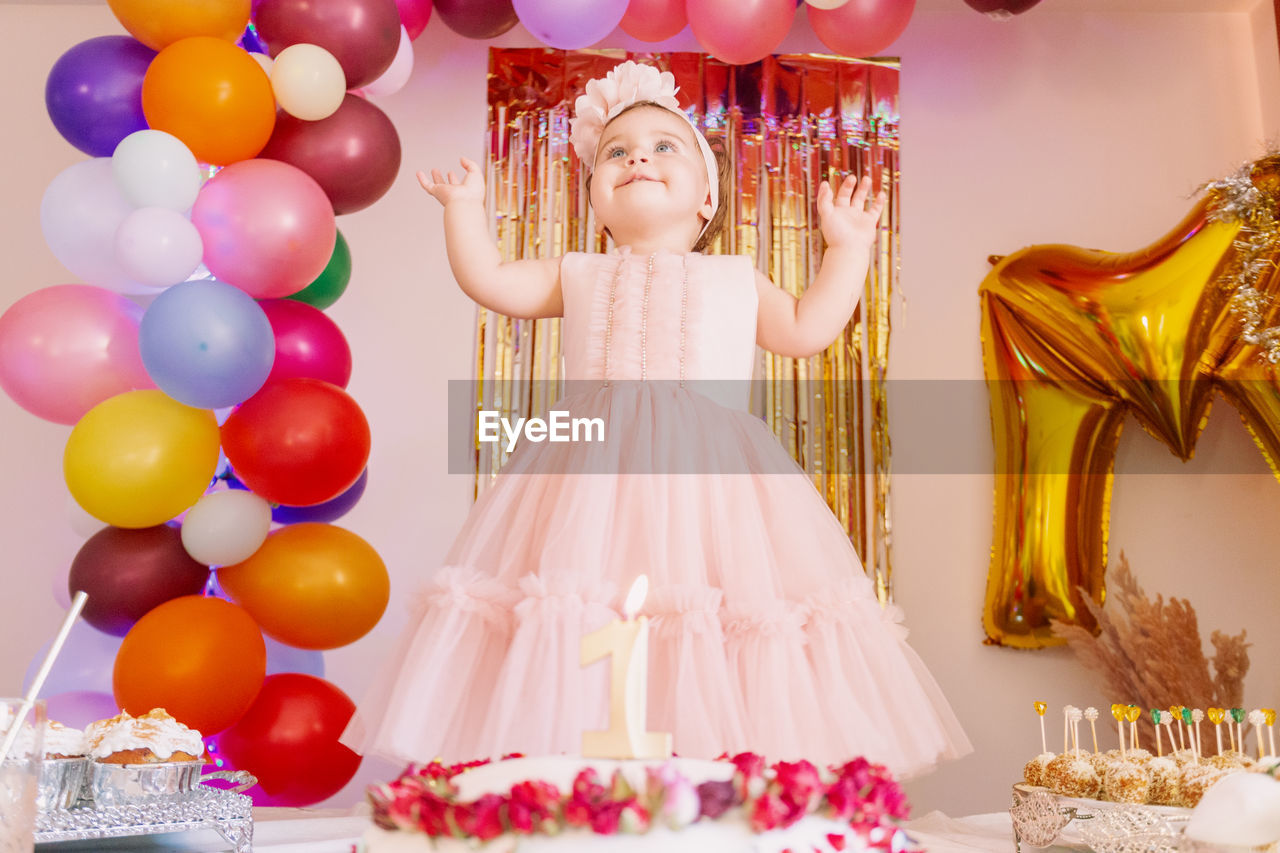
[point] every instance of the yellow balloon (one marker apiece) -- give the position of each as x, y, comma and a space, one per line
140, 458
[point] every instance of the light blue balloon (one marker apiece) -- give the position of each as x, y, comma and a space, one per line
282, 658
206, 344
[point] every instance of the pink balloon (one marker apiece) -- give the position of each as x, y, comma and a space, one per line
64, 349
654, 20
414, 14
267, 227
740, 31
308, 343
861, 27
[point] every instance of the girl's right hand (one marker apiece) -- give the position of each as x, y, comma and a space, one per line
446, 188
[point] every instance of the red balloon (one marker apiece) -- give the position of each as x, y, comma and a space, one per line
128, 572
308, 343
861, 27
363, 35
414, 14
1002, 8
289, 739
354, 154
654, 20
297, 441
477, 19
740, 31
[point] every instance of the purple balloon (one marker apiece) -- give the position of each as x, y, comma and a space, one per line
283, 658
570, 24
79, 708
477, 19
94, 92
330, 510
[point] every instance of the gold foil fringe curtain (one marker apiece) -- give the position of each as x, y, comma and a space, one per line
788, 123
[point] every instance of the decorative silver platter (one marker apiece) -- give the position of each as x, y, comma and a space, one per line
1040, 816
228, 813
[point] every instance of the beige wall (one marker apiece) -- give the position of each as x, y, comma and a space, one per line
1063, 125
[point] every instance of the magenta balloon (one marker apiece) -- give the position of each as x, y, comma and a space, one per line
654, 20
414, 14
477, 19
861, 27
267, 227
740, 31
308, 343
64, 349
128, 572
569, 24
363, 35
354, 154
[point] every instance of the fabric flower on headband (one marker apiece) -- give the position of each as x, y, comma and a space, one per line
626, 84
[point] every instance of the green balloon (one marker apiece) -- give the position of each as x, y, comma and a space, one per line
331, 283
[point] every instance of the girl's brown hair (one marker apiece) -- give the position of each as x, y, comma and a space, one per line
716, 225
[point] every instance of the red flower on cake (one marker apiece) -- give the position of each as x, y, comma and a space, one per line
716, 798
768, 812
799, 785
585, 799
533, 807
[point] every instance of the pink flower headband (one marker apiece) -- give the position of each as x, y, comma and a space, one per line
626, 84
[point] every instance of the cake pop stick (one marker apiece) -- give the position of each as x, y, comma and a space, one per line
1040, 709
1155, 720
1118, 711
1255, 719
1270, 715
1175, 711
1132, 713
1166, 720
1237, 716
1191, 735
1091, 714
1215, 716
1196, 716
1076, 716
1066, 728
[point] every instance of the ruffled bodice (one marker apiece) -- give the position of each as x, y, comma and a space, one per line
658, 317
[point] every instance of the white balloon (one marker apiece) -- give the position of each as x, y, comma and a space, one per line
1241, 810
826, 4
226, 527
81, 209
308, 82
264, 61
398, 73
158, 247
155, 169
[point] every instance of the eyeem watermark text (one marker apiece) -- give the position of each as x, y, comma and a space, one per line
558, 426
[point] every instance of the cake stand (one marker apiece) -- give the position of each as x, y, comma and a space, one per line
1040, 816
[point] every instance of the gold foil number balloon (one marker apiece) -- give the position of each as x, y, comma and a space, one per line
1074, 340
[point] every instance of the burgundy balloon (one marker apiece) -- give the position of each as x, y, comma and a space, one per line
363, 35
1011, 7
354, 154
477, 19
127, 572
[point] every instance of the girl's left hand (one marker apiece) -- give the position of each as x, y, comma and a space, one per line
847, 218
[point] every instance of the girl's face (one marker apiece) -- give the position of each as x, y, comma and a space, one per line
649, 170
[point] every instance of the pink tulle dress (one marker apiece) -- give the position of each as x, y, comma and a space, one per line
766, 634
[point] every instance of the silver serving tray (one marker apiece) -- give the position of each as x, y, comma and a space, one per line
61, 780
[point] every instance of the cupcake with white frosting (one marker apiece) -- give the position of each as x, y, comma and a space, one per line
153, 738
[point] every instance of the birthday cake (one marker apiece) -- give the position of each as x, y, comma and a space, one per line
675, 805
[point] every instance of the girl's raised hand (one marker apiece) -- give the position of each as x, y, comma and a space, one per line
846, 216
446, 188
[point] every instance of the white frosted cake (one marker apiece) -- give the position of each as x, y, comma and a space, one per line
558, 804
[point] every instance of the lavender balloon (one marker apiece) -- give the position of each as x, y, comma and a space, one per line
206, 344
94, 92
570, 24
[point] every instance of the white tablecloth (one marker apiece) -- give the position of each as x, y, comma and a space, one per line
313, 831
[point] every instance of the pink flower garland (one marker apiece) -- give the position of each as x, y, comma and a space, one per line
861, 794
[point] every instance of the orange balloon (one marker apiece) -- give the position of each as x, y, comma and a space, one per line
159, 23
211, 95
311, 585
201, 659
